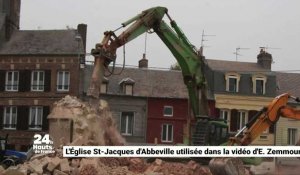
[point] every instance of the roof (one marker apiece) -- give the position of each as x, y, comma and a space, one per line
148, 82
236, 66
51, 42
288, 83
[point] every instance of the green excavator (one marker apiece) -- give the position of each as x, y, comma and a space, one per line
190, 60
207, 131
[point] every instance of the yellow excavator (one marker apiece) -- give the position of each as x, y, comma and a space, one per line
192, 64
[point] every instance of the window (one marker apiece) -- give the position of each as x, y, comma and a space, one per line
12, 81
292, 136
168, 111
104, 85
10, 117
126, 85
103, 88
232, 82
35, 117
259, 84
224, 114
37, 80
63, 81
127, 123
128, 89
259, 87
167, 133
242, 119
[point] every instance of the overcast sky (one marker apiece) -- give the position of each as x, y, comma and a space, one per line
235, 23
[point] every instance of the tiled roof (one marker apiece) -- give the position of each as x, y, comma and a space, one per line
222, 65
148, 82
288, 83
41, 42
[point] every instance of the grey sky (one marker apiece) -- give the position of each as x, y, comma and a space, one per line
236, 23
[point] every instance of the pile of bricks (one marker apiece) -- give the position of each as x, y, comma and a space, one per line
160, 167
40, 165
95, 126
56, 165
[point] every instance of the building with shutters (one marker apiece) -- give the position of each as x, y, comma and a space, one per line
241, 89
37, 68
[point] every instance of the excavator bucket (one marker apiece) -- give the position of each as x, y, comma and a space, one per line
227, 166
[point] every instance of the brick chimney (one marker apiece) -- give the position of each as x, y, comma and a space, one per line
11, 8
264, 59
81, 29
143, 63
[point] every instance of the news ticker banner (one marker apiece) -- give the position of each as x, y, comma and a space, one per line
181, 151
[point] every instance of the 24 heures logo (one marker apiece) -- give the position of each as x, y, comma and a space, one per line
42, 144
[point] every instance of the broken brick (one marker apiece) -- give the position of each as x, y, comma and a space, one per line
57, 172
44, 162
75, 163
158, 161
54, 162
35, 167
78, 141
64, 166
14, 171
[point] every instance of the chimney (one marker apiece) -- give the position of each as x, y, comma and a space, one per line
264, 59
143, 63
81, 29
12, 10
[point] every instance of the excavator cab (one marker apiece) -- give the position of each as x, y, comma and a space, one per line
209, 131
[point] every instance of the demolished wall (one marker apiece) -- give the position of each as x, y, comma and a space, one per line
94, 125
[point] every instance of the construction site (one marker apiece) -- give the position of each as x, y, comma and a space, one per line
51, 97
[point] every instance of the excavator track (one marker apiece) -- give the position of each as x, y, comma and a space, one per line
200, 137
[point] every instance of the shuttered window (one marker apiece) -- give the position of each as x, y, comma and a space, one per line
12, 81
10, 117
36, 117
63, 81
37, 80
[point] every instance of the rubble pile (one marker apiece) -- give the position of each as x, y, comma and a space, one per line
53, 165
94, 125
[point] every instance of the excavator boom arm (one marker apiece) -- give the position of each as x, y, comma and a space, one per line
185, 53
266, 118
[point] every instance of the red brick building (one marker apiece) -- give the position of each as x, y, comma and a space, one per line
167, 119
37, 68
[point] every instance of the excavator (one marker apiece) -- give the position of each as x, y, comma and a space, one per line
264, 119
192, 64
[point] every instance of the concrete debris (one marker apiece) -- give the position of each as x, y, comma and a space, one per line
57, 172
64, 166
15, 171
53, 163
94, 125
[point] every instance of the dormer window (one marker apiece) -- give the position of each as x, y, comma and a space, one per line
259, 84
104, 86
127, 86
232, 82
